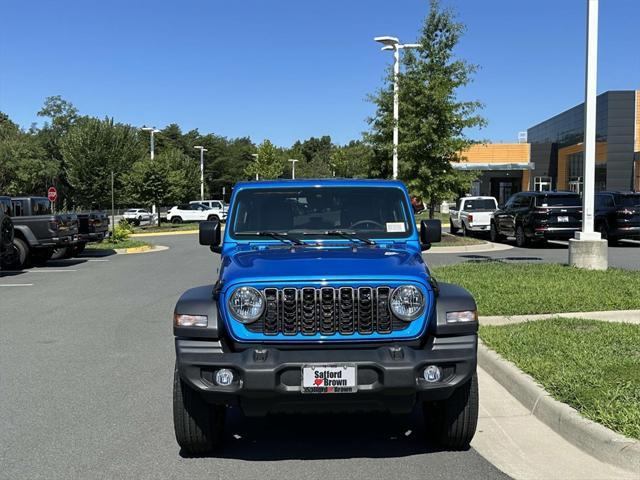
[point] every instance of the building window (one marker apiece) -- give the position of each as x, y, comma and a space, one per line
542, 184
475, 188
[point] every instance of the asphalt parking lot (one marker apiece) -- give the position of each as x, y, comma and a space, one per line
85, 387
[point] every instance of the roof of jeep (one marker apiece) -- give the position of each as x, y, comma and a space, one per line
320, 182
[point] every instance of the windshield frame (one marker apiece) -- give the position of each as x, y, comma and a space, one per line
318, 235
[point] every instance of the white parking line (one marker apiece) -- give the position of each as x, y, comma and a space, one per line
37, 270
97, 260
16, 284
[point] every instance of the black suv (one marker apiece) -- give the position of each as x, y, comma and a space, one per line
538, 216
618, 215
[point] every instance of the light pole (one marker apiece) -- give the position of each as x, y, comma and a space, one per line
293, 168
152, 131
255, 155
587, 249
393, 43
202, 150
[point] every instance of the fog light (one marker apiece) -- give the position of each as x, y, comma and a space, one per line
432, 374
224, 377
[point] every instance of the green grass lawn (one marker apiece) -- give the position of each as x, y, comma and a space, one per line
507, 289
449, 240
107, 245
424, 215
591, 365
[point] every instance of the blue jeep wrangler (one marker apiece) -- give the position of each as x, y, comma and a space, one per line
323, 303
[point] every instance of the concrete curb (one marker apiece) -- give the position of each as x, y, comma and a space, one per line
144, 249
591, 437
619, 316
164, 234
483, 247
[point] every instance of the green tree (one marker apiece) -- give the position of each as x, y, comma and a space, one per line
91, 150
352, 160
24, 166
268, 165
432, 120
314, 157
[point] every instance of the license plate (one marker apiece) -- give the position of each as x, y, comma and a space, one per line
563, 219
329, 379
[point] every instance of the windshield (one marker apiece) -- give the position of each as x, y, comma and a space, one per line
370, 211
480, 204
559, 201
628, 200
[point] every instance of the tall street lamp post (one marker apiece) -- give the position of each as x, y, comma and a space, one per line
202, 150
255, 156
588, 250
393, 43
153, 131
293, 168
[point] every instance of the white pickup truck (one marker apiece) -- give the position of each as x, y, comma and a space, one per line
472, 214
218, 206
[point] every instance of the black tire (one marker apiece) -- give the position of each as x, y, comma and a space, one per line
78, 248
21, 257
452, 228
176, 220
452, 423
41, 256
62, 252
521, 239
465, 232
494, 236
198, 426
604, 234
211, 218
6, 232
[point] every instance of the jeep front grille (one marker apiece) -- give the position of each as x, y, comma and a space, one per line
327, 311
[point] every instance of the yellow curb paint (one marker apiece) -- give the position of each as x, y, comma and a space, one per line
157, 234
138, 249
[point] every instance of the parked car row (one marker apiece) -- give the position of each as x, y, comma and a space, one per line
535, 217
40, 235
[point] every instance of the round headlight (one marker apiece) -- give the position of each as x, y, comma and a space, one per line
407, 302
246, 304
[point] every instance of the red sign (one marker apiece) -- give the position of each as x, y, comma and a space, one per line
52, 194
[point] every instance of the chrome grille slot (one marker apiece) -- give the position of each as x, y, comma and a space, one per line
345, 310
382, 306
365, 310
308, 311
271, 311
327, 311
289, 311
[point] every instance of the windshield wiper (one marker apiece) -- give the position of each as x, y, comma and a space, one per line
283, 237
349, 235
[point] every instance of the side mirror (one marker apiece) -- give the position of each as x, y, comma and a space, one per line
210, 235
430, 232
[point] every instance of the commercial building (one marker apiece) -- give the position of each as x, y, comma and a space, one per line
553, 157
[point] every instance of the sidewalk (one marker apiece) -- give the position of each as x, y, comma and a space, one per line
520, 445
622, 316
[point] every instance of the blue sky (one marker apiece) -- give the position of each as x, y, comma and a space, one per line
287, 70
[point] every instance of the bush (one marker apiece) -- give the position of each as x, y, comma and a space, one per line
122, 231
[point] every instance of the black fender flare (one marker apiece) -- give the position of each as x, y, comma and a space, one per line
451, 298
24, 232
199, 301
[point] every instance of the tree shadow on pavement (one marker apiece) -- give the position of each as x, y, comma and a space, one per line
323, 436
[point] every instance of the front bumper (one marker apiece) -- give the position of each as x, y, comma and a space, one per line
268, 379
625, 232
